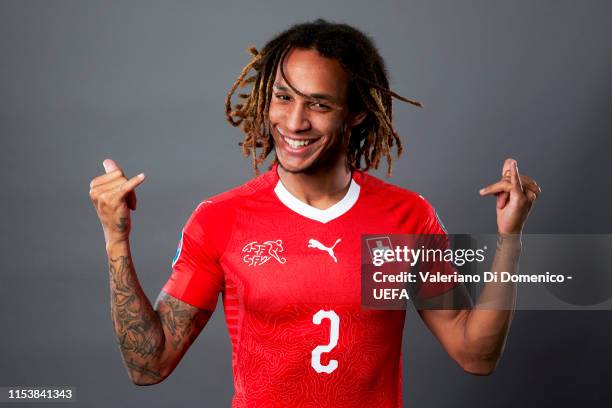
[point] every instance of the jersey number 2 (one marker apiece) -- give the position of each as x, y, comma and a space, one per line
334, 332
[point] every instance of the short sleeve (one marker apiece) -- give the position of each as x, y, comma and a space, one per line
197, 276
434, 237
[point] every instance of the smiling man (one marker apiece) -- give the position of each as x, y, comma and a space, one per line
284, 249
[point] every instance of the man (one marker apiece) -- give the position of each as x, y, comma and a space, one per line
283, 249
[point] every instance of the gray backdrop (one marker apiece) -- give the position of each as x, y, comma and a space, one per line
144, 82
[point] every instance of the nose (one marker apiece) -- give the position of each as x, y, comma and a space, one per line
297, 118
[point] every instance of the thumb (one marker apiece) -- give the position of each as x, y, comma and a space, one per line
129, 186
502, 199
109, 165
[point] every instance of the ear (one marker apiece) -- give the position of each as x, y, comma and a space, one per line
353, 120
357, 119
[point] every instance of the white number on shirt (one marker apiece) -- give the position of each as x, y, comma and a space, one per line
334, 331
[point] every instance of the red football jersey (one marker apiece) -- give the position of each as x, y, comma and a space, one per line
289, 274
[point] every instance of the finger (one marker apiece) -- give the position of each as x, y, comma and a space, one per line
112, 185
526, 179
501, 200
507, 168
499, 187
110, 165
515, 178
530, 183
531, 196
130, 199
105, 178
532, 189
131, 184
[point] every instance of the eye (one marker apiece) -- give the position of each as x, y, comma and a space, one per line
320, 106
282, 97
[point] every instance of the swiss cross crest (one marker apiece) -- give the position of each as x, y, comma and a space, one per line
257, 254
378, 243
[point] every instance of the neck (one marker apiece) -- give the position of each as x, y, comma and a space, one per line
322, 188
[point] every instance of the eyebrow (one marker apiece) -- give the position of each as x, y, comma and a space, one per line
313, 95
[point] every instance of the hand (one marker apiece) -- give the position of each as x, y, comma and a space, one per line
113, 197
515, 197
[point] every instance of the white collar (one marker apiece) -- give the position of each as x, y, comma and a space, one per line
308, 211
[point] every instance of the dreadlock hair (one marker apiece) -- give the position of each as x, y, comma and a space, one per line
368, 90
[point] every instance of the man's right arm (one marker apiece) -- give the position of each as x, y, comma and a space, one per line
152, 341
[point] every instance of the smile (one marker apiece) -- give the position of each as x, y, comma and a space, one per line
297, 143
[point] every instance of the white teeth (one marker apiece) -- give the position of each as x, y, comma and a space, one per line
296, 144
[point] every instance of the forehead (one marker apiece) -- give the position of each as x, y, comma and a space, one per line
311, 73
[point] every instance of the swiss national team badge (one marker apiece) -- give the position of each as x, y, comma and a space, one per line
380, 243
257, 254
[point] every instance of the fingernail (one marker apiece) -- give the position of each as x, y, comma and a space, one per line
105, 165
481, 191
141, 176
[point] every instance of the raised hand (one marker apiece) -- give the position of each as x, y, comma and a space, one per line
113, 197
515, 196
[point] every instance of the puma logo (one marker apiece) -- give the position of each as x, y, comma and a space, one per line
313, 243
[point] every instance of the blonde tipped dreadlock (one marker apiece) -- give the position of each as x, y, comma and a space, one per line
369, 91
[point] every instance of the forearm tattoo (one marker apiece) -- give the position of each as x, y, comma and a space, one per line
181, 320
123, 224
508, 239
136, 324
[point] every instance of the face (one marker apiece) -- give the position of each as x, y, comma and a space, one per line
310, 130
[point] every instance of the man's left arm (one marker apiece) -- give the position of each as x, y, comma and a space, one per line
475, 337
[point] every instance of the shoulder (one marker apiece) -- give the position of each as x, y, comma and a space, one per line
379, 190
214, 218
407, 206
224, 205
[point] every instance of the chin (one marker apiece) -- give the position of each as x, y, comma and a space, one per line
301, 167
296, 165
